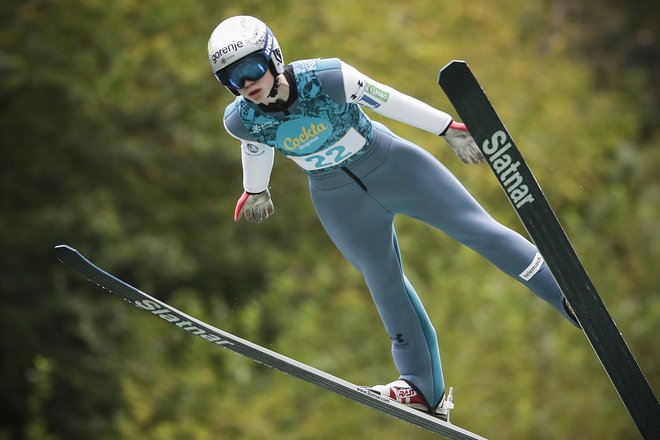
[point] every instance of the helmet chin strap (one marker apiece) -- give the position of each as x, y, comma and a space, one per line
279, 103
276, 87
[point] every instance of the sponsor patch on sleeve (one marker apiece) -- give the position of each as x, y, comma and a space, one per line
253, 150
373, 96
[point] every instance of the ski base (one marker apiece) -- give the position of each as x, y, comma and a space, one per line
76, 261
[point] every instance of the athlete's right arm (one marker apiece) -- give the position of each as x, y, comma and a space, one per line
257, 160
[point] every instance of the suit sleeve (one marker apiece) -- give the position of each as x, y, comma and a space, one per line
386, 101
257, 158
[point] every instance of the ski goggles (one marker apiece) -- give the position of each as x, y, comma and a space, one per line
250, 68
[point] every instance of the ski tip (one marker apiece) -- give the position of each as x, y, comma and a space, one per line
63, 250
454, 63
452, 66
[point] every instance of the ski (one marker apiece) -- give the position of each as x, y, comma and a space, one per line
364, 395
533, 209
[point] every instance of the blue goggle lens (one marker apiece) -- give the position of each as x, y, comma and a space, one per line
250, 68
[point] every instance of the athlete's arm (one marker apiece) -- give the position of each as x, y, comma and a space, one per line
255, 204
384, 100
391, 103
257, 158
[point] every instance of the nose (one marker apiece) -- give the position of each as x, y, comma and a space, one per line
248, 82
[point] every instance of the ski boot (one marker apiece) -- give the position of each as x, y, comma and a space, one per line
402, 392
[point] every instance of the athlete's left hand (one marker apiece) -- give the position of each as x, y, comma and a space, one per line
461, 141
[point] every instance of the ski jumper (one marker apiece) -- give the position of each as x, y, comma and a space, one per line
360, 176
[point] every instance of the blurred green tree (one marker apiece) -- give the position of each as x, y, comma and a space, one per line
112, 142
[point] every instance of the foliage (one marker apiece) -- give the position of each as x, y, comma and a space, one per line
112, 142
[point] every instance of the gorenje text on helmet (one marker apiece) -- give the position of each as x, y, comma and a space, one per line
232, 47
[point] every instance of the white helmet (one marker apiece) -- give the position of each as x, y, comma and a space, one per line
236, 39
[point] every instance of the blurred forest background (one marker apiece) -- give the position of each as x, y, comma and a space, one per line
112, 142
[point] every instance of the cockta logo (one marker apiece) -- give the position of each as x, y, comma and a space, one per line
506, 169
304, 135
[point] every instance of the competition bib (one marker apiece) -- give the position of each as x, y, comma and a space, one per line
334, 155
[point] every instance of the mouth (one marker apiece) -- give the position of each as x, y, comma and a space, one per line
254, 93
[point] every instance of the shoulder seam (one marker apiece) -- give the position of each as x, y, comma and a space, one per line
323, 64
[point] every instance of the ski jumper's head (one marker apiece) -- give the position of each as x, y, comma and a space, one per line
241, 49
